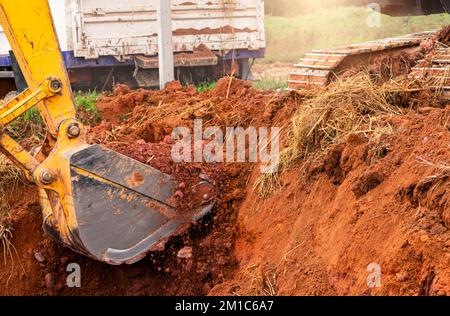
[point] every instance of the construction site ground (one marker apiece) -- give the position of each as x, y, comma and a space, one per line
363, 203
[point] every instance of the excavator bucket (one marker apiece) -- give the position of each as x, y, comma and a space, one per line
123, 207
96, 201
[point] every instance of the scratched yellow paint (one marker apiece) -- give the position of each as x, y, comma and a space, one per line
29, 28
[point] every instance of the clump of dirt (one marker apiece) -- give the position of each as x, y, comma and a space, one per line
121, 101
232, 103
440, 37
428, 47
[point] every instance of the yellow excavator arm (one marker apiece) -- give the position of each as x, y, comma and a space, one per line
87, 199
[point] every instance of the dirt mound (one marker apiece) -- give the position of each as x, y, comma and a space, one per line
37, 264
383, 203
139, 124
231, 103
365, 205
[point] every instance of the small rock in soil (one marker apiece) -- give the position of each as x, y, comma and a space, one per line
49, 281
39, 257
204, 176
64, 260
206, 289
168, 140
185, 253
179, 195
401, 276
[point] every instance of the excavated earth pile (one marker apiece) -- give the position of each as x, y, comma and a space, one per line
139, 124
325, 226
365, 205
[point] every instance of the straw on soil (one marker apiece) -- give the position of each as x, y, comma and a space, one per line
355, 105
5, 240
9, 178
441, 171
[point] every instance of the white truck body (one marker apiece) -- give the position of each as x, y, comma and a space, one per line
123, 28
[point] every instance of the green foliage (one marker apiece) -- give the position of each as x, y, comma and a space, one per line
32, 116
86, 103
87, 100
29, 124
289, 38
270, 84
123, 117
296, 7
206, 86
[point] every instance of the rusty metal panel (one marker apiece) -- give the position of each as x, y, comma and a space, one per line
318, 68
124, 28
197, 58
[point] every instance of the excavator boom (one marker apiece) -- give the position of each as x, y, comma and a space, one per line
88, 198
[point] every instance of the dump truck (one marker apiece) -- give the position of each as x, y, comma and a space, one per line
105, 42
412, 7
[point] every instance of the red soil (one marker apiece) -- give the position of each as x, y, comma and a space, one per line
364, 203
148, 141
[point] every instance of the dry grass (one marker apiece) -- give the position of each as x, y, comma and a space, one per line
354, 105
9, 251
10, 176
256, 279
267, 183
441, 171
5, 238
